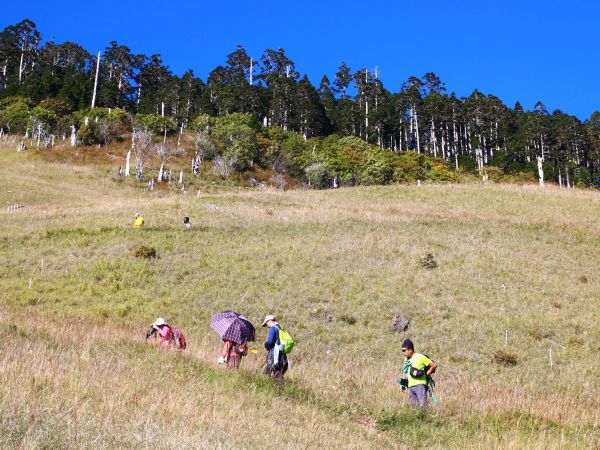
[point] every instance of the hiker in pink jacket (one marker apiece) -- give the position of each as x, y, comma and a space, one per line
161, 333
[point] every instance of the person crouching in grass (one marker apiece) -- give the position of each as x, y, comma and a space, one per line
160, 333
418, 368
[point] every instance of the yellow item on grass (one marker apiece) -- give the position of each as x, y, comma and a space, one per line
139, 222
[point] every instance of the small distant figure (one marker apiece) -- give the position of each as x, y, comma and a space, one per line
186, 222
418, 369
165, 335
277, 360
196, 165
139, 221
232, 354
120, 172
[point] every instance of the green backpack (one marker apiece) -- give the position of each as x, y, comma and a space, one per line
286, 340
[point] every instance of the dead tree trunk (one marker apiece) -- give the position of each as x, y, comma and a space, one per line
96, 81
128, 164
540, 162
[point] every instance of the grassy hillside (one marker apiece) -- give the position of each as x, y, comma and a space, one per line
335, 267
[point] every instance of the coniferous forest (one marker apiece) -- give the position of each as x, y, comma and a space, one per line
263, 112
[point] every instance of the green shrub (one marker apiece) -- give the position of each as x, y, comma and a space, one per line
411, 166
468, 162
346, 159
57, 106
15, 117
202, 123
45, 116
442, 173
236, 138
318, 176
519, 178
89, 134
284, 151
157, 124
378, 168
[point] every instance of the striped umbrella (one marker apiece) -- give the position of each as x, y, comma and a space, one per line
232, 326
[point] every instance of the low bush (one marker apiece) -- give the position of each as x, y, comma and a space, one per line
505, 359
428, 261
318, 176
144, 252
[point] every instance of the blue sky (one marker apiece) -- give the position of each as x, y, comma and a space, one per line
526, 50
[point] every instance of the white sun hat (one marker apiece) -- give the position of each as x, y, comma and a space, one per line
159, 322
267, 318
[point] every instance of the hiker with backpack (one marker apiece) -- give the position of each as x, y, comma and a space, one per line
278, 344
232, 354
167, 336
418, 369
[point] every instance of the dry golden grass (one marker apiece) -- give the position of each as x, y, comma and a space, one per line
336, 266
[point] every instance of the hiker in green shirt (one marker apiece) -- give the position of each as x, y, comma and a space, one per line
418, 368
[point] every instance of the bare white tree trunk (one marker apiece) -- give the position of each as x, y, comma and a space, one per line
540, 162
433, 138
542, 146
366, 120
96, 81
567, 173
160, 173
479, 158
444, 133
417, 131
73, 136
39, 134
21, 66
559, 178
251, 69
366, 107
181, 177
128, 164
179, 137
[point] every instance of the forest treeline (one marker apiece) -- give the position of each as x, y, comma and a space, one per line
349, 129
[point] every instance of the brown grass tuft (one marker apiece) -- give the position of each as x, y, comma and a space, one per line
144, 252
506, 359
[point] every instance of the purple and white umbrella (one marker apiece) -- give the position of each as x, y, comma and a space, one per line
232, 326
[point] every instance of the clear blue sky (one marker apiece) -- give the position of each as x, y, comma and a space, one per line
524, 50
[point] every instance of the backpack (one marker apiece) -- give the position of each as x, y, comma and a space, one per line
179, 338
286, 340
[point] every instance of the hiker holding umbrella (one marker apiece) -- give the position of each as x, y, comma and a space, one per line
236, 331
232, 354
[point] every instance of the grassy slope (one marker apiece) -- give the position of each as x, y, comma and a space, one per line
335, 266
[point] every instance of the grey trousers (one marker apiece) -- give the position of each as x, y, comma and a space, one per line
417, 395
